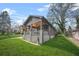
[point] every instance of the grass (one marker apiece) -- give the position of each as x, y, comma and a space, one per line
11, 45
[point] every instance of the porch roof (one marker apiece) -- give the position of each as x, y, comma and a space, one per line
40, 17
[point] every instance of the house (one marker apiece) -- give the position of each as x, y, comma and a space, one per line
75, 34
37, 29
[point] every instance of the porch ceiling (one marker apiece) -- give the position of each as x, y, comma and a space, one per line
38, 24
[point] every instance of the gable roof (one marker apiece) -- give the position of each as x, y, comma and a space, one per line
40, 17
32, 16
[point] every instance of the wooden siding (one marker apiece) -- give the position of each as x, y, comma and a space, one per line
40, 35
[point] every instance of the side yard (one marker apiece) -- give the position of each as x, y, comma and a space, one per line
12, 45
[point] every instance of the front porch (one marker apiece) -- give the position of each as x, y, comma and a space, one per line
36, 32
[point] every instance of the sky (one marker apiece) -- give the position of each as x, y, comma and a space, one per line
20, 11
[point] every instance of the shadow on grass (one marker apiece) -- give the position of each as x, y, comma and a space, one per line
62, 43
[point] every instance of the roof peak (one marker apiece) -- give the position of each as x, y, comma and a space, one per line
36, 16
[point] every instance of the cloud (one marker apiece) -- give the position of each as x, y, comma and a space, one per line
77, 4
45, 7
41, 9
75, 8
18, 20
10, 11
21, 20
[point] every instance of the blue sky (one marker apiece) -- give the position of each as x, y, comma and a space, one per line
20, 11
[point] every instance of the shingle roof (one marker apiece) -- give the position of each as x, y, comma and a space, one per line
32, 16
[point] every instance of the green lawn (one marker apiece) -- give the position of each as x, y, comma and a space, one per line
12, 45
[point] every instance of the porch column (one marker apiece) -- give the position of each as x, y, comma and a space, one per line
24, 35
30, 32
49, 31
41, 34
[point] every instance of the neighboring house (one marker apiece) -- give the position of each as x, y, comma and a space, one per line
75, 34
38, 30
16, 29
21, 29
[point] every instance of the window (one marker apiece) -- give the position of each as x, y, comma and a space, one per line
45, 27
35, 32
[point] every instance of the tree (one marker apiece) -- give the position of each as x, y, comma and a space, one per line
58, 13
76, 15
77, 22
5, 23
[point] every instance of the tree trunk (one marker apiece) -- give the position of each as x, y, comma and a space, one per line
77, 21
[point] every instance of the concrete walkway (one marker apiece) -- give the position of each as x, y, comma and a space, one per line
73, 40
